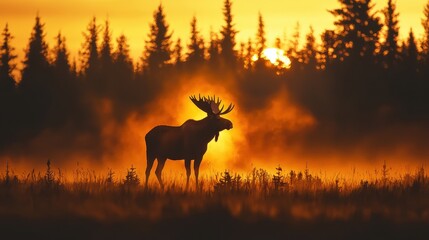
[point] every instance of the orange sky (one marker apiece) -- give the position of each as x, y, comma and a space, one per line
132, 18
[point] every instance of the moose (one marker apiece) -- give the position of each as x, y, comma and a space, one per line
188, 141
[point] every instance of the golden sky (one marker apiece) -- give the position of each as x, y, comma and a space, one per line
132, 18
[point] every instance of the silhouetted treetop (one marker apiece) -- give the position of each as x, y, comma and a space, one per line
61, 57
261, 40
390, 48
358, 29
425, 40
89, 54
228, 32
158, 48
36, 64
7, 63
196, 44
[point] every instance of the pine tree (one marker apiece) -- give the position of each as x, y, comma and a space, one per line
390, 49
178, 49
261, 41
106, 49
358, 30
410, 58
214, 49
228, 33
248, 59
123, 65
7, 63
106, 82
196, 45
328, 54
293, 49
158, 47
36, 71
309, 52
425, 41
61, 58
90, 62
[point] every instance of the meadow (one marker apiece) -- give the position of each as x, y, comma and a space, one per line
255, 205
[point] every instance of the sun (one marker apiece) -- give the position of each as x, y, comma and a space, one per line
276, 56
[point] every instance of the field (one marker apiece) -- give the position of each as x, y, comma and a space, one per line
256, 205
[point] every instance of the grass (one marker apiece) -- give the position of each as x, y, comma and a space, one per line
227, 205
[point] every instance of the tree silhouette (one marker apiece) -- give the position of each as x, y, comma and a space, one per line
390, 49
7, 64
105, 82
90, 62
309, 52
425, 40
328, 54
37, 84
261, 41
178, 56
358, 30
61, 62
196, 45
293, 51
410, 55
36, 72
228, 32
158, 47
214, 49
8, 99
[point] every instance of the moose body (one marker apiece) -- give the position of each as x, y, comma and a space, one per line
186, 142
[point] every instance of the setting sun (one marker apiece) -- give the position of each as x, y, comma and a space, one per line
224, 119
276, 56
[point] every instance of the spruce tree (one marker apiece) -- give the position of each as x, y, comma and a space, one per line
158, 47
35, 73
228, 33
261, 41
90, 62
196, 45
309, 52
425, 40
358, 29
390, 49
61, 62
7, 63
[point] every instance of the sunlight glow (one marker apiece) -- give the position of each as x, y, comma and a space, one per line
276, 56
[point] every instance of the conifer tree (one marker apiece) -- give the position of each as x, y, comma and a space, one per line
158, 47
228, 32
61, 62
358, 29
425, 40
196, 45
390, 49
36, 71
261, 41
7, 63
90, 62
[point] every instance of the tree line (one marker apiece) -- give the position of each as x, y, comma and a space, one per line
358, 74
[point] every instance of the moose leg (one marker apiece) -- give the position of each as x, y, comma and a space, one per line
197, 163
188, 171
158, 171
150, 159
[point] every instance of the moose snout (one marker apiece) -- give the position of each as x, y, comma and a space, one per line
229, 126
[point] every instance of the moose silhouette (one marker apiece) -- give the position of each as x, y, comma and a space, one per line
188, 141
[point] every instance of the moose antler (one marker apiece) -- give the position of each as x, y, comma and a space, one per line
210, 105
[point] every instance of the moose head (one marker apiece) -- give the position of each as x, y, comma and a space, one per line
211, 106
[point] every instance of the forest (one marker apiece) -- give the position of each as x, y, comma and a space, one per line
355, 79
356, 87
